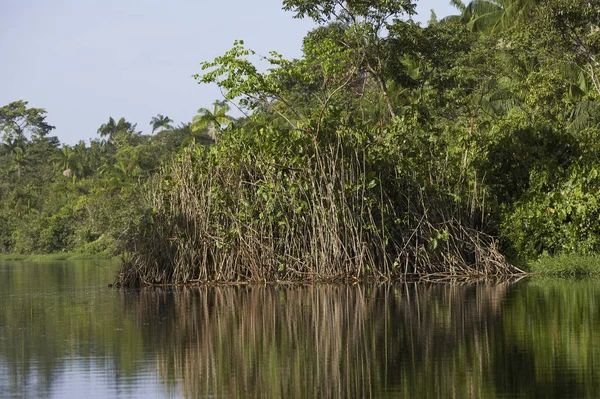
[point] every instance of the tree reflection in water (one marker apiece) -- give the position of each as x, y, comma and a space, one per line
325, 341
536, 338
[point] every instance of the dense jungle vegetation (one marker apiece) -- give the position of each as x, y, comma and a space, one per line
388, 150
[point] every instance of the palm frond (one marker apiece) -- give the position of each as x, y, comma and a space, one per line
584, 116
459, 5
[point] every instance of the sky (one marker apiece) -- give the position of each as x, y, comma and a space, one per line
87, 60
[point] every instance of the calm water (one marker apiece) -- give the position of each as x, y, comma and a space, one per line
64, 333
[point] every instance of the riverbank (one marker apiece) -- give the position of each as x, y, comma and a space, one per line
54, 257
562, 266
548, 266
566, 266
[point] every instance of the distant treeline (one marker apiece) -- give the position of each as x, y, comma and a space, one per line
81, 198
388, 150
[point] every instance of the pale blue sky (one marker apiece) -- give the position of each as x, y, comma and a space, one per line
86, 60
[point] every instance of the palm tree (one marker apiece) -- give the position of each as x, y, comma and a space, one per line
491, 16
213, 120
19, 159
115, 175
68, 160
111, 128
14, 148
187, 135
161, 122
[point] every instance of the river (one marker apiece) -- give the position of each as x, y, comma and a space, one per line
65, 334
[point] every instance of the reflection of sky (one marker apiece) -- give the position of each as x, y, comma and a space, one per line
82, 378
87, 378
39, 303
87, 60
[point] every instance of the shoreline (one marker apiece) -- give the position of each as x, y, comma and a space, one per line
59, 256
561, 266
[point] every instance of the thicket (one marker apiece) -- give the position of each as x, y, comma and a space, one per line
347, 207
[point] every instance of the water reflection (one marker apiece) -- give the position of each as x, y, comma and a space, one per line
324, 341
59, 332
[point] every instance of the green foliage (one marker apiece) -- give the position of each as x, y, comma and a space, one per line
161, 122
213, 120
17, 122
57, 199
487, 119
322, 11
397, 143
563, 219
113, 128
570, 265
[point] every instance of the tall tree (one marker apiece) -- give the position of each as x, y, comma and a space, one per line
571, 32
111, 128
17, 121
212, 120
16, 151
493, 16
161, 122
68, 160
367, 23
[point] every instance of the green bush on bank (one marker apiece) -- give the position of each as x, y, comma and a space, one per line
570, 265
560, 219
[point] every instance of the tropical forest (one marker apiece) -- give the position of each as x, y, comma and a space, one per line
468, 147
